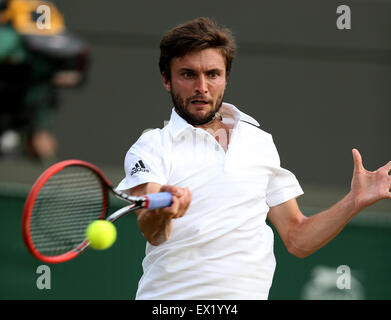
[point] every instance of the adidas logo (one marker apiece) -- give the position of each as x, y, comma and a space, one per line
138, 167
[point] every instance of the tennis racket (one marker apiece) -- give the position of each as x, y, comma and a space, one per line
64, 200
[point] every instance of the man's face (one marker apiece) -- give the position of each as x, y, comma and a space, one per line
197, 85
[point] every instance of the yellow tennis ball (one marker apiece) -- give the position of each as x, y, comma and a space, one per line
101, 234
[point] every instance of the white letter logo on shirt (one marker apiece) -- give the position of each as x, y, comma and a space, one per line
138, 167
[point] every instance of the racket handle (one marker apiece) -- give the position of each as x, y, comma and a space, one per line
159, 200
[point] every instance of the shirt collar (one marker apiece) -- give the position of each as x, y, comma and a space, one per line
178, 124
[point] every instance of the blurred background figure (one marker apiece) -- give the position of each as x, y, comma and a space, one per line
38, 55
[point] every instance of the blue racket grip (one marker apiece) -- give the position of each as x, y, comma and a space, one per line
159, 200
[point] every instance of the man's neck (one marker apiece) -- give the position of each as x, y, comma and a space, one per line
212, 125
218, 130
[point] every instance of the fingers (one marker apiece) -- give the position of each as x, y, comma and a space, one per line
388, 167
385, 174
184, 202
181, 200
386, 171
174, 206
175, 191
357, 160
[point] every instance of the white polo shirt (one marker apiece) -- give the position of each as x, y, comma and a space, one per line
222, 247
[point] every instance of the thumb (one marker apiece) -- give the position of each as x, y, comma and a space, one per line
357, 160
172, 189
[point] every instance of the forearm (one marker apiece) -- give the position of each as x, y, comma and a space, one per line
304, 235
156, 225
155, 228
319, 229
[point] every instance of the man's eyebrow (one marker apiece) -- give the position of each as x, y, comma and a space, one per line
186, 70
215, 70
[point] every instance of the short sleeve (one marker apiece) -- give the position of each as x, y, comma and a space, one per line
283, 184
145, 162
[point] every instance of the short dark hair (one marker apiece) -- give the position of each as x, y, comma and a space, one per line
195, 35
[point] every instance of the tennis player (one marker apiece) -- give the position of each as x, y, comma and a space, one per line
225, 175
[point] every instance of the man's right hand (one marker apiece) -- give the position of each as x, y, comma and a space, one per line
156, 225
180, 201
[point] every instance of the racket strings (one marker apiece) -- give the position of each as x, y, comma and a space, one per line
67, 203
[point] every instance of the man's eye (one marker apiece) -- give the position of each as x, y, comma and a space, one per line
213, 74
188, 75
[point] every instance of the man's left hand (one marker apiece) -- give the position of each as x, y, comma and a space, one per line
369, 187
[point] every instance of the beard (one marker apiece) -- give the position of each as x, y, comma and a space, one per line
195, 120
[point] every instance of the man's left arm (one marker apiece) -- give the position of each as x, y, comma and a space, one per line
303, 235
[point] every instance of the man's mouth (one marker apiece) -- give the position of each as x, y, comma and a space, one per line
199, 102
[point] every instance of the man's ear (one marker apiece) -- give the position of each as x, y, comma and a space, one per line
166, 83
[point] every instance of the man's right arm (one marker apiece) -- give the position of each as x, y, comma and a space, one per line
156, 225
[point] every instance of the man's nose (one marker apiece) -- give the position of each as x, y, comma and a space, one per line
202, 84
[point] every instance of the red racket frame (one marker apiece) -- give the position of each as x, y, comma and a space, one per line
29, 204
